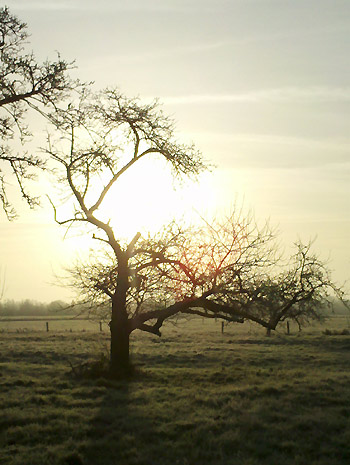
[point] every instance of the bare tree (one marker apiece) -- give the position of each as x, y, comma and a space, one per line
24, 84
100, 139
299, 289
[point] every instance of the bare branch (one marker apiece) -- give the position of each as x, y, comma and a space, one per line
25, 85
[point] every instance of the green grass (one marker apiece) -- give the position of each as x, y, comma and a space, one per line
199, 397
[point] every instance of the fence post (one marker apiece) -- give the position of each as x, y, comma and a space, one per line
222, 327
47, 326
288, 329
100, 325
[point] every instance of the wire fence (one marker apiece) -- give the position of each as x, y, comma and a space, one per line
83, 324
22, 324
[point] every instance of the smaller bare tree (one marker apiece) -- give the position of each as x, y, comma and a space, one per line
300, 290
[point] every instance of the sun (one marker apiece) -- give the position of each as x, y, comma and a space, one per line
146, 197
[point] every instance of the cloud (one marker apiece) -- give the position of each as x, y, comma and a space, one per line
316, 94
171, 52
44, 6
107, 5
276, 152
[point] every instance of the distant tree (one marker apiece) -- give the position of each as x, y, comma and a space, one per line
24, 84
30, 308
298, 290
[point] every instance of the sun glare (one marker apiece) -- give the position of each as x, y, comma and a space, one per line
144, 199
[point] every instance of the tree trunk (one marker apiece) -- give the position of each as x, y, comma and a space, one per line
120, 327
120, 334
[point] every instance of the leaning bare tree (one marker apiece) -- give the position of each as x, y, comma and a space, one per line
179, 271
24, 84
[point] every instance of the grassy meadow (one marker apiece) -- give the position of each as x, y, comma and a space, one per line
199, 397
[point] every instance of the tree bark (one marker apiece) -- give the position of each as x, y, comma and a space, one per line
120, 325
120, 335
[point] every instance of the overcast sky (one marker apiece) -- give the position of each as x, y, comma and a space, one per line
261, 86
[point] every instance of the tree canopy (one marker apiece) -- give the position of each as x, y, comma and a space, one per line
25, 85
97, 140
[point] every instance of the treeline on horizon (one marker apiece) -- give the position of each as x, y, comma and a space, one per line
28, 307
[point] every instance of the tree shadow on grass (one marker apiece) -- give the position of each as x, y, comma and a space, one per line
119, 426
145, 420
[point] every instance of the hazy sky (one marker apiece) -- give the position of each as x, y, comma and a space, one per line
261, 86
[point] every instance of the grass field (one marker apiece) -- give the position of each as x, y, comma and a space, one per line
200, 397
